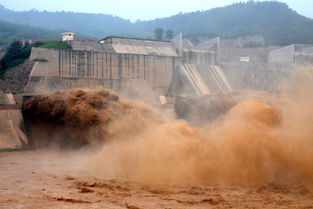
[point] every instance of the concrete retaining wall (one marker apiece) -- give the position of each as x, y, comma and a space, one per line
282, 55
88, 68
198, 57
266, 77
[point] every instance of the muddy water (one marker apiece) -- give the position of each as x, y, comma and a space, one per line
52, 179
254, 144
74, 118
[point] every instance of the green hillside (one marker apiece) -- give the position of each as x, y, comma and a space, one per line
9, 32
94, 25
274, 20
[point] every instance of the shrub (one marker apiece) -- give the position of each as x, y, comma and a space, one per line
56, 45
15, 55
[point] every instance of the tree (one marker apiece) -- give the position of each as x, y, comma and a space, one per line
169, 34
16, 55
158, 33
12, 54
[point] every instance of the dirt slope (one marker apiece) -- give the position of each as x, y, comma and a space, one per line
16, 78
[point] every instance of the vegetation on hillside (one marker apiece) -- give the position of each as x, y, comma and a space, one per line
169, 34
94, 25
16, 53
274, 20
158, 33
10, 32
56, 45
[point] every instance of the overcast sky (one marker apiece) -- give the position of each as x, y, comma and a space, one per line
138, 9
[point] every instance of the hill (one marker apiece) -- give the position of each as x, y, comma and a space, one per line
10, 32
95, 25
274, 20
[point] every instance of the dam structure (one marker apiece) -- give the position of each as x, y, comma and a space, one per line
138, 69
157, 72
164, 74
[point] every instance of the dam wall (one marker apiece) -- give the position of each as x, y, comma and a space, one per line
282, 55
198, 75
150, 77
265, 77
59, 69
198, 57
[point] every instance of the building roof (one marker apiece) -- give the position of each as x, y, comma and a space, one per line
139, 46
67, 33
130, 38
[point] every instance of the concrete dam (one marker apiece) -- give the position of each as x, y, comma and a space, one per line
164, 74
144, 70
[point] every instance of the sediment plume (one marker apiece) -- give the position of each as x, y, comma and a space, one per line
73, 118
254, 143
209, 108
255, 112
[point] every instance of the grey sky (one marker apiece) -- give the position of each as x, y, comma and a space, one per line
138, 9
